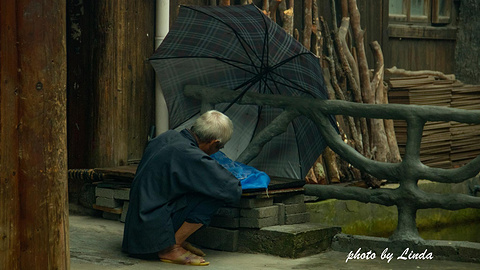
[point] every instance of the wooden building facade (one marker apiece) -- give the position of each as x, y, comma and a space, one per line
85, 87
111, 83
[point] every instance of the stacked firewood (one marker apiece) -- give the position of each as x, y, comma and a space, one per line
348, 77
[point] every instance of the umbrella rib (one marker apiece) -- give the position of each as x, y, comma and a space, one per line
298, 87
288, 59
269, 88
241, 94
275, 83
265, 45
227, 61
292, 84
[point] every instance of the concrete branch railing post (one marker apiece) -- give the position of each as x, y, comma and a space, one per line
408, 198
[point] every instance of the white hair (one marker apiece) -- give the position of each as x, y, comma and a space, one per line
213, 125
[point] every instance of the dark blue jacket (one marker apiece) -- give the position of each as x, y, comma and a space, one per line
171, 168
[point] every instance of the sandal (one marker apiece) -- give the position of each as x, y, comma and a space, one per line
187, 258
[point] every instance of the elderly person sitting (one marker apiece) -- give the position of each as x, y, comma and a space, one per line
176, 190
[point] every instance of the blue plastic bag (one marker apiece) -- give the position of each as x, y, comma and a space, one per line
250, 178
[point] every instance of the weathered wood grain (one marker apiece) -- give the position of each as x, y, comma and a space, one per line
33, 185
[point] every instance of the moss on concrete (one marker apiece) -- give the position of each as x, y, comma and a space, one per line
378, 220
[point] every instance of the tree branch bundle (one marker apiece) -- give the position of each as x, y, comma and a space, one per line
348, 73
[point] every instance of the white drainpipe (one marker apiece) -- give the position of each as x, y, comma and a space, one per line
162, 23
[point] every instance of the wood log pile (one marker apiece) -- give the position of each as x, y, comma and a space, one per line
348, 77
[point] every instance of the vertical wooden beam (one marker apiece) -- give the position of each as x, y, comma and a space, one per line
121, 106
139, 76
9, 88
33, 185
110, 82
79, 81
109, 106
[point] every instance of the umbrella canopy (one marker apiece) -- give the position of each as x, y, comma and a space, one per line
239, 48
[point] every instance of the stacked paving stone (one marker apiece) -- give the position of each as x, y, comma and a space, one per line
424, 90
252, 213
465, 137
274, 222
112, 201
444, 144
260, 212
227, 225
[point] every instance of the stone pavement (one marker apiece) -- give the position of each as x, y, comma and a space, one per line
95, 243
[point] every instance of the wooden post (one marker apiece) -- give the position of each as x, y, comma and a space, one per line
9, 84
108, 143
33, 185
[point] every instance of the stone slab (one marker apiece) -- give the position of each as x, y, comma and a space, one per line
281, 213
225, 222
229, 212
255, 202
258, 222
295, 208
124, 211
260, 212
216, 238
292, 241
122, 194
290, 199
297, 218
108, 202
104, 192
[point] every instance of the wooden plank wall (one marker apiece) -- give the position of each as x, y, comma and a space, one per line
33, 161
421, 54
111, 83
435, 51
420, 47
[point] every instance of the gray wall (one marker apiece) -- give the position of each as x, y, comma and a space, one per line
467, 55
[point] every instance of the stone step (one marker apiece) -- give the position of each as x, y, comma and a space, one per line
293, 241
216, 238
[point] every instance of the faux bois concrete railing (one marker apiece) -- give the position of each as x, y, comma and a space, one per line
408, 198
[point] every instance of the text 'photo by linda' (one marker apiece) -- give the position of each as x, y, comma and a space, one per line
407, 254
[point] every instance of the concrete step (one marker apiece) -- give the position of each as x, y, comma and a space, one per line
293, 241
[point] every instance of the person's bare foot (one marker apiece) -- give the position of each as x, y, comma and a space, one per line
186, 245
176, 253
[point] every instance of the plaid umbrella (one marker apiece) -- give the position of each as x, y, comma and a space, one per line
239, 48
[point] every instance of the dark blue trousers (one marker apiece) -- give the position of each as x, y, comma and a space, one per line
199, 209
